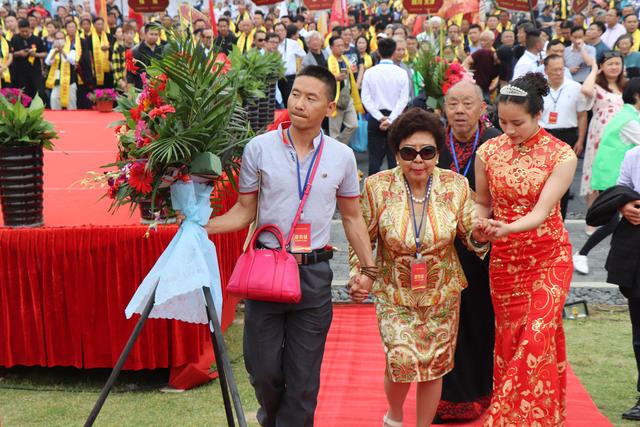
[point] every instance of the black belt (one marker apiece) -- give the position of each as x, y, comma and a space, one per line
313, 257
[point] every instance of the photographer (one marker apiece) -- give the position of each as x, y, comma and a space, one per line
62, 74
28, 52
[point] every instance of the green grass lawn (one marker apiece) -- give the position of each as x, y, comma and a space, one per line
599, 350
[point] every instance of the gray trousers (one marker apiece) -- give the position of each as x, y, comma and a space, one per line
347, 117
283, 349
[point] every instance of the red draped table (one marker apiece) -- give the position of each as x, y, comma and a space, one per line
63, 292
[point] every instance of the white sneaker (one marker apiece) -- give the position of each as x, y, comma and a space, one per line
581, 263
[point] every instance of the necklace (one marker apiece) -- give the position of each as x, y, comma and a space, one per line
413, 198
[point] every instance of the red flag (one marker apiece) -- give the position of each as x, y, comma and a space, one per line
338, 12
455, 7
137, 16
212, 18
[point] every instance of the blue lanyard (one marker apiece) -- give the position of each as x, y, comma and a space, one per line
313, 160
417, 230
556, 99
453, 152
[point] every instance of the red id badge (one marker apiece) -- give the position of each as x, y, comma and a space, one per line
418, 274
553, 117
301, 239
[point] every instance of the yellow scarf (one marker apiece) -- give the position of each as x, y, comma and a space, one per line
368, 61
6, 75
65, 74
100, 57
245, 42
334, 67
636, 41
78, 48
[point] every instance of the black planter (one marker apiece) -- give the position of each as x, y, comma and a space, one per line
147, 215
261, 112
21, 185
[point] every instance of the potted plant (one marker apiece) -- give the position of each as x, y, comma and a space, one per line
258, 74
24, 133
103, 99
187, 121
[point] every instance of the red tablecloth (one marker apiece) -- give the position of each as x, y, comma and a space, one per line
63, 292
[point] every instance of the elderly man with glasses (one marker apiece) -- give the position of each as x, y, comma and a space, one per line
466, 389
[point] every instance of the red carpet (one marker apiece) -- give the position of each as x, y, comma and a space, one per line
352, 391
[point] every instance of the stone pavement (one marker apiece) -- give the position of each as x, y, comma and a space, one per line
592, 287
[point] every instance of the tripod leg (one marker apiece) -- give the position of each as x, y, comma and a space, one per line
123, 358
224, 365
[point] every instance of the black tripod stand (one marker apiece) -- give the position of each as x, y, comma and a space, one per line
225, 373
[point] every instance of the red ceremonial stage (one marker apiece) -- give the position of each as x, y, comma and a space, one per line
64, 287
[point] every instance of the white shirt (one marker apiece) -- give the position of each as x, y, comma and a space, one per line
611, 35
71, 58
527, 63
630, 133
385, 87
567, 101
290, 50
275, 158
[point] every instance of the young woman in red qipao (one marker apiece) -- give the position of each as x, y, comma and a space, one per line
520, 179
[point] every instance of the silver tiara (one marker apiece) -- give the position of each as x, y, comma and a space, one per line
510, 90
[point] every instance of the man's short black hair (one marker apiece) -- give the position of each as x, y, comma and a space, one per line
476, 26
272, 35
554, 42
533, 37
259, 12
551, 58
600, 25
334, 39
23, 23
299, 18
576, 28
223, 19
324, 75
386, 47
624, 18
150, 26
197, 32
97, 18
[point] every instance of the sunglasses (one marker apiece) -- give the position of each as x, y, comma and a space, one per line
611, 54
426, 153
260, 40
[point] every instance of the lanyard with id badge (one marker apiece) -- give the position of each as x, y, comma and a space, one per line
301, 231
419, 264
553, 115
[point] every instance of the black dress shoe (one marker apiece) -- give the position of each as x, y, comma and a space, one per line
633, 413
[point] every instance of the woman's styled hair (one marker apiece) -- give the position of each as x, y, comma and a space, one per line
529, 92
413, 121
601, 80
368, 50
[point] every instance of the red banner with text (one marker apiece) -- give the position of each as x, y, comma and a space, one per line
519, 5
148, 6
422, 6
579, 5
318, 4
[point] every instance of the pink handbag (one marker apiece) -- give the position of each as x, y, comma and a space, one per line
271, 274
266, 274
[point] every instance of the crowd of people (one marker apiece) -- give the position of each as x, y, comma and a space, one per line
488, 170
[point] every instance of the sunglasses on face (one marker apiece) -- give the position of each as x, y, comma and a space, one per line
426, 153
260, 40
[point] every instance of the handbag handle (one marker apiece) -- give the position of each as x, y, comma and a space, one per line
271, 228
307, 190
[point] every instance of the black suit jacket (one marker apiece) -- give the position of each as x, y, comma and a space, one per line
623, 261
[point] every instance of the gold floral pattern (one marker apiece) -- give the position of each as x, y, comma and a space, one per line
530, 274
418, 327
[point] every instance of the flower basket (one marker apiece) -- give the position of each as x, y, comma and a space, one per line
21, 185
104, 106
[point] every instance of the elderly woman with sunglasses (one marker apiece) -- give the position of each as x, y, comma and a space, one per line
414, 213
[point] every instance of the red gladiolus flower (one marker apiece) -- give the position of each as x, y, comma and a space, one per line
140, 178
130, 62
162, 111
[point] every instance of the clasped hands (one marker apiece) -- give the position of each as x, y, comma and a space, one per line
359, 287
488, 230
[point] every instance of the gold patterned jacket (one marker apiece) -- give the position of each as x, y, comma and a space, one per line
451, 211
